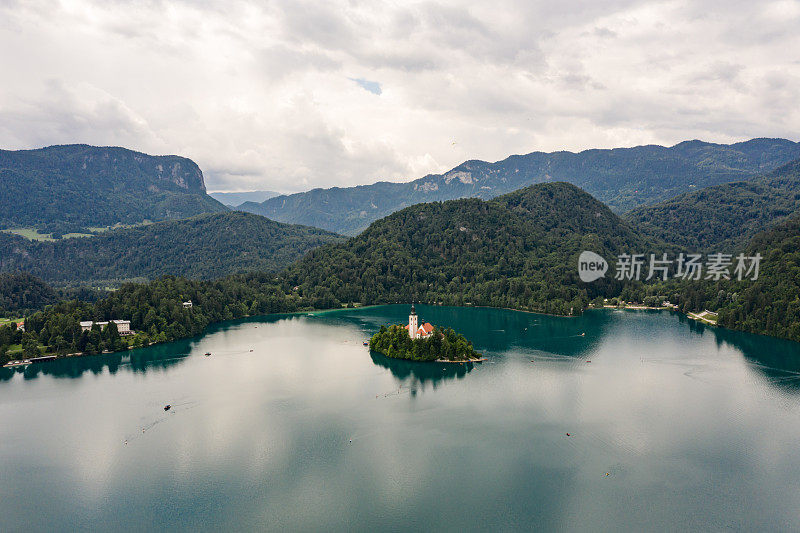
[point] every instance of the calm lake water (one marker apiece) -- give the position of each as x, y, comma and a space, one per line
672, 426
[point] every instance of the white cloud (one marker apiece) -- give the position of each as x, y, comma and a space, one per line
262, 95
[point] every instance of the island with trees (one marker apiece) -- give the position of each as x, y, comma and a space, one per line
442, 345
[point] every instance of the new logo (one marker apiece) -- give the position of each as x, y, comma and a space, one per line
591, 266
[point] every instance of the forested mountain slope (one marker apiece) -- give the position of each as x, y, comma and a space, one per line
21, 292
70, 188
519, 250
725, 217
205, 246
768, 305
771, 304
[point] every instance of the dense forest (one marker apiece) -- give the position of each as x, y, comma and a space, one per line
725, 217
156, 313
769, 305
519, 250
442, 344
623, 178
63, 189
21, 293
202, 247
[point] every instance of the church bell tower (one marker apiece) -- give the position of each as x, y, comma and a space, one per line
412, 323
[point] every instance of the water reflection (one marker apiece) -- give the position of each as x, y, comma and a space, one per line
776, 361
153, 358
417, 374
293, 425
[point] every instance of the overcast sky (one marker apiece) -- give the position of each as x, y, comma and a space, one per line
293, 95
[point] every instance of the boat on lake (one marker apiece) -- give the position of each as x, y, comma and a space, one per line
11, 364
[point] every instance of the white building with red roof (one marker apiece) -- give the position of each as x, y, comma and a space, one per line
416, 331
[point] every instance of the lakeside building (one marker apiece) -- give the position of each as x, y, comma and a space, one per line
123, 326
415, 331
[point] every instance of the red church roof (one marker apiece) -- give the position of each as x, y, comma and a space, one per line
424, 329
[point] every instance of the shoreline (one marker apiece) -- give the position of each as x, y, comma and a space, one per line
481, 360
443, 361
340, 309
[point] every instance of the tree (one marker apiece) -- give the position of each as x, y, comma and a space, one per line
30, 346
112, 339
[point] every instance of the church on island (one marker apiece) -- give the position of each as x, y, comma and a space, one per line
415, 331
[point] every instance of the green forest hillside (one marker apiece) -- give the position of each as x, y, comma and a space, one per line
519, 250
202, 247
770, 305
20, 292
725, 217
63, 189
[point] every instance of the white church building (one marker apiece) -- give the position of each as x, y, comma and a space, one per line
415, 330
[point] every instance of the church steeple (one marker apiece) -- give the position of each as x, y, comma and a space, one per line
413, 324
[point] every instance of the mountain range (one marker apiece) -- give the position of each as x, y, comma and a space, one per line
623, 178
70, 188
516, 250
232, 199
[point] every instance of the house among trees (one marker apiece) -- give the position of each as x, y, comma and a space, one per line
187, 304
415, 331
123, 326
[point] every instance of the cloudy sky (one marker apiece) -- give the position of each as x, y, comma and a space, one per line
293, 95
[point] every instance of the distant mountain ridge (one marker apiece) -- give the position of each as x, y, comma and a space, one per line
202, 247
72, 187
234, 199
623, 178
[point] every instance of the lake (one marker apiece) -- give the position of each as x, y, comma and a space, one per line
292, 424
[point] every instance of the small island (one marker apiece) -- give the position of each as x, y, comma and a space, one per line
423, 343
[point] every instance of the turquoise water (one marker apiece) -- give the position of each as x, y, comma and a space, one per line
673, 426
